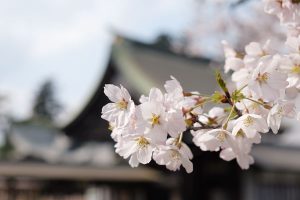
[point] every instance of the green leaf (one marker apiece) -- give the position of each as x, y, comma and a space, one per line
218, 97
221, 82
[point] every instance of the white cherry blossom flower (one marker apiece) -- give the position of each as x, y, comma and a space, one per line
233, 60
238, 148
174, 87
242, 77
279, 110
250, 125
291, 66
152, 119
255, 51
139, 147
293, 42
286, 10
155, 95
153, 129
266, 81
120, 131
121, 108
174, 98
176, 123
174, 155
210, 140
276, 6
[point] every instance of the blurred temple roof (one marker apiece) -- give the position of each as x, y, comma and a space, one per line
138, 67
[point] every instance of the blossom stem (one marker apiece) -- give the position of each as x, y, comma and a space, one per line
260, 103
229, 116
180, 137
203, 127
179, 140
186, 94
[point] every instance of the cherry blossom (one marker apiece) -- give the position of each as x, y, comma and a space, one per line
239, 148
138, 147
173, 155
294, 42
233, 60
210, 140
264, 86
121, 107
255, 51
279, 110
266, 81
250, 125
291, 66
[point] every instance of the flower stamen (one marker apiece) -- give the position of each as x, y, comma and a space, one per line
262, 78
122, 105
248, 121
296, 69
175, 155
142, 142
155, 120
221, 136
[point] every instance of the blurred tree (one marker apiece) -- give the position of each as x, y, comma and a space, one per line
46, 107
163, 41
5, 122
237, 21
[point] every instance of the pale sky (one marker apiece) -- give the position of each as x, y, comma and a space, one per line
68, 41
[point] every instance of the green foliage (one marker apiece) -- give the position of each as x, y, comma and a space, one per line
218, 97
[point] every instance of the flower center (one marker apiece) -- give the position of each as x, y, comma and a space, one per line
262, 78
142, 142
296, 69
280, 112
155, 120
122, 105
175, 155
248, 121
254, 106
221, 136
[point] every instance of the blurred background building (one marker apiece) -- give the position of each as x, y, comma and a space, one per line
54, 143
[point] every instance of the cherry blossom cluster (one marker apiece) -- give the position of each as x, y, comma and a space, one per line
230, 121
288, 11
